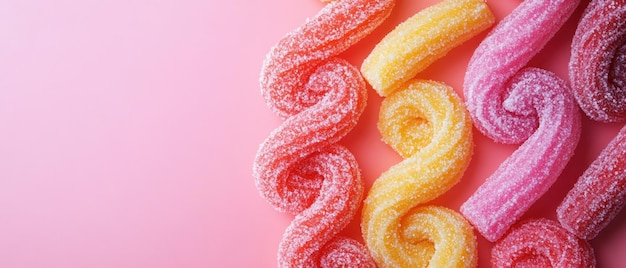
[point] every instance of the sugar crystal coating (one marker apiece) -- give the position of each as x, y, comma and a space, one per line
511, 105
427, 124
541, 243
599, 194
597, 67
299, 168
507, 49
422, 39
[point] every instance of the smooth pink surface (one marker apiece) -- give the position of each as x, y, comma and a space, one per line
128, 131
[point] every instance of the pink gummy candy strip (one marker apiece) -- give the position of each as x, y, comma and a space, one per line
599, 194
597, 68
299, 168
511, 105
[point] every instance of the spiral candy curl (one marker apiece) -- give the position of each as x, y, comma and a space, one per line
398, 232
541, 243
427, 124
597, 68
598, 75
299, 168
511, 105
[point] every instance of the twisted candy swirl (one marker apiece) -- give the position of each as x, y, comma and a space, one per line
299, 169
428, 125
511, 105
597, 68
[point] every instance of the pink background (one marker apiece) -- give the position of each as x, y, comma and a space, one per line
128, 130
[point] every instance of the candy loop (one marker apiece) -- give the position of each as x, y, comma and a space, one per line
506, 50
426, 123
541, 243
510, 104
289, 64
597, 67
299, 168
276, 166
338, 198
396, 232
599, 194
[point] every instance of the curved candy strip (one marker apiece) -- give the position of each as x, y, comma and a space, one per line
599, 194
427, 124
506, 50
541, 243
340, 193
597, 68
422, 39
334, 29
510, 105
298, 168
528, 173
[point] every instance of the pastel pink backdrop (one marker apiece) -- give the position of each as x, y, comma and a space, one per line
128, 131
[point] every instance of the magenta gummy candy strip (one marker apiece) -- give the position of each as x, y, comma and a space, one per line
597, 68
599, 194
597, 72
511, 105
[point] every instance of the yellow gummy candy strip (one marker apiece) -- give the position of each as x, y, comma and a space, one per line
422, 39
426, 122
429, 126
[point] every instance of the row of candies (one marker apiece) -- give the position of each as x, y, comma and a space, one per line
300, 168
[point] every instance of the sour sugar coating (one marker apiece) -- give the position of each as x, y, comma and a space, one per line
299, 168
422, 39
427, 124
599, 194
530, 171
289, 64
541, 243
506, 50
597, 67
512, 105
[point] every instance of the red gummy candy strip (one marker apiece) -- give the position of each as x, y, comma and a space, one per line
541, 243
599, 194
299, 169
512, 104
597, 67
290, 63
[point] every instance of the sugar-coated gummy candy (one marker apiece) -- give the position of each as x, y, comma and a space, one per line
599, 194
422, 39
506, 50
597, 67
299, 168
428, 125
510, 104
541, 243
290, 63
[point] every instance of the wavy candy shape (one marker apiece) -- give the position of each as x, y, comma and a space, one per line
541, 243
427, 124
597, 67
299, 169
510, 105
